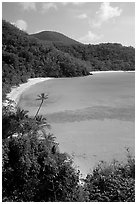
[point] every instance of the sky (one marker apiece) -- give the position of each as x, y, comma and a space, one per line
86, 22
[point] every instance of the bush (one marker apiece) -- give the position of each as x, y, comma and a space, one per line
31, 172
113, 182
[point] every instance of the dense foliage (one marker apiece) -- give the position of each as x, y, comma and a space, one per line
102, 57
26, 57
113, 182
32, 172
107, 56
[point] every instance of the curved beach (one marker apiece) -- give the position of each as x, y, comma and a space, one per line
16, 92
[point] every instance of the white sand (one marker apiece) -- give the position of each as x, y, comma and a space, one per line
111, 71
17, 91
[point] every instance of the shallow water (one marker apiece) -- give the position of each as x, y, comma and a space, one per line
92, 117
94, 140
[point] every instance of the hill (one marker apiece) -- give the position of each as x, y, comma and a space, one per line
104, 56
53, 36
24, 57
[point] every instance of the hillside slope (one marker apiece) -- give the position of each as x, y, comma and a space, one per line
24, 57
105, 56
53, 36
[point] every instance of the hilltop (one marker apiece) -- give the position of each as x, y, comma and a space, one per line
53, 36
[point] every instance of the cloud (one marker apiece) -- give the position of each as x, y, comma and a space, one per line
105, 13
47, 6
82, 16
90, 38
28, 5
21, 24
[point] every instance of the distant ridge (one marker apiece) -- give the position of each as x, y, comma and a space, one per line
53, 36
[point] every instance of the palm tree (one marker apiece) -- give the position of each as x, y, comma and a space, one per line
42, 122
41, 97
21, 114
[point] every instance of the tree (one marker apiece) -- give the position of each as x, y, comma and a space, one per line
41, 97
30, 171
114, 182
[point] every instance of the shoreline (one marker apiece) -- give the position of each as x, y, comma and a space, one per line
16, 91
110, 71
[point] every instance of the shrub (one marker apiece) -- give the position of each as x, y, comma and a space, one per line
114, 182
31, 172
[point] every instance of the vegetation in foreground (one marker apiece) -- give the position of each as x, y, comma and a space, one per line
32, 171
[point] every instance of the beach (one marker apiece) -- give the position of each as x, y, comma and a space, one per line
110, 71
16, 91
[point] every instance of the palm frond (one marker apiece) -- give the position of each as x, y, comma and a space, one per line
42, 97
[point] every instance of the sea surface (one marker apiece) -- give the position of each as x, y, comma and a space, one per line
92, 117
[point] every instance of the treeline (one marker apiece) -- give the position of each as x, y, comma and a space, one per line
33, 172
26, 57
102, 57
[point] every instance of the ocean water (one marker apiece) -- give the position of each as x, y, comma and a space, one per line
92, 117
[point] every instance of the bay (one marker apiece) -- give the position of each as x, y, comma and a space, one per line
92, 118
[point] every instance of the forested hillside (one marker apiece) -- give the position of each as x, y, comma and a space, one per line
26, 57
55, 55
105, 56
